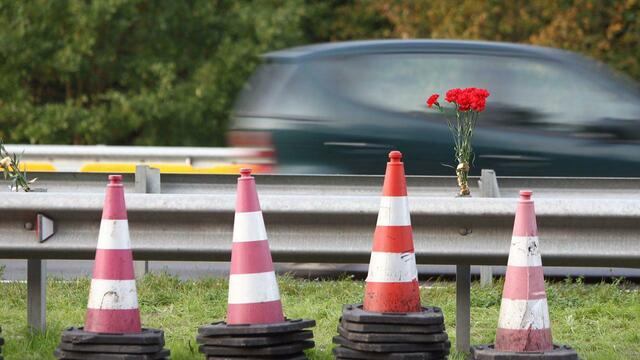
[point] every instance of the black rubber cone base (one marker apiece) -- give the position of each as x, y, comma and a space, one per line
346, 353
222, 328
146, 337
300, 356
488, 352
115, 349
390, 328
392, 347
74, 355
392, 337
79, 344
287, 349
428, 316
256, 340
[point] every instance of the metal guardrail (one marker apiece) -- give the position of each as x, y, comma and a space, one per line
370, 185
327, 228
327, 219
73, 157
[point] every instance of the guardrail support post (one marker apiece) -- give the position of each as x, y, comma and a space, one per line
463, 308
147, 181
36, 294
488, 185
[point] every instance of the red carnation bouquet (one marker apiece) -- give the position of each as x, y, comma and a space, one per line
468, 104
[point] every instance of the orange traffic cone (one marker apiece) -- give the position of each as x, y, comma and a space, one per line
254, 297
392, 282
524, 315
391, 323
113, 300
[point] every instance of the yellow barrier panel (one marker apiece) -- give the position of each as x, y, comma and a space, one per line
108, 167
35, 166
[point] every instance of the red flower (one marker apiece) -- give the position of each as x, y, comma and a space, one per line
433, 99
468, 99
452, 95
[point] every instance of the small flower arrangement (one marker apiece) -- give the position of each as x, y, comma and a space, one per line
468, 104
10, 165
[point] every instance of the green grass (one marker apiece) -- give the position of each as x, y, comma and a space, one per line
602, 321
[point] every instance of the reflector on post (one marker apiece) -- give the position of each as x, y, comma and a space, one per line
45, 227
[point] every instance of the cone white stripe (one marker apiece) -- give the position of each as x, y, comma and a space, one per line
114, 235
394, 211
524, 314
249, 226
392, 267
253, 288
524, 251
113, 295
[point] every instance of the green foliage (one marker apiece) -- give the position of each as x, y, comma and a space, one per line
132, 71
607, 30
164, 72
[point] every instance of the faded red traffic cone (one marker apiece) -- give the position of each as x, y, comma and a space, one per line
524, 323
113, 300
254, 297
392, 282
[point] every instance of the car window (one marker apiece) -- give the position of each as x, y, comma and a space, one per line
263, 88
401, 82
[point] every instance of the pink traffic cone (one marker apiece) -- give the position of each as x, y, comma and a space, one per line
113, 300
524, 323
254, 297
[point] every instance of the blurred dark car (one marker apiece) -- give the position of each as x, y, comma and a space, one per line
341, 107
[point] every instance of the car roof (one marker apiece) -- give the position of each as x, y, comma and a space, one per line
346, 48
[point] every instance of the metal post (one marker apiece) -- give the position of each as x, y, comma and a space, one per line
147, 181
488, 184
463, 308
36, 294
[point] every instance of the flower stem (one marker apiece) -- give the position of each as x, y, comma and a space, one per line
10, 165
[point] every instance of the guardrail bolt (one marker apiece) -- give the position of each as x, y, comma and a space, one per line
464, 231
28, 226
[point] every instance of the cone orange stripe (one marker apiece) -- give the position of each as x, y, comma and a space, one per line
113, 265
257, 251
517, 289
394, 182
112, 321
256, 313
396, 239
392, 297
524, 339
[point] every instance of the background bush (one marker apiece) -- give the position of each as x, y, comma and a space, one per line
164, 72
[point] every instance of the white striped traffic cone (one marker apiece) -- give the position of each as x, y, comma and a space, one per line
113, 300
392, 282
524, 323
254, 297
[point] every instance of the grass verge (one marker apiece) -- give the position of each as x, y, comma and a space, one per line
602, 321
